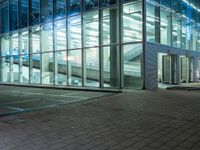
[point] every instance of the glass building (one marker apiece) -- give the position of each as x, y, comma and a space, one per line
113, 44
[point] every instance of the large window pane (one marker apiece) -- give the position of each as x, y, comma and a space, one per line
110, 26
46, 9
165, 27
132, 55
74, 68
91, 67
132, 22
35, 68
59, 8
153, 23
13, 15
5, 60
110, 66
23, 21
47, 37
107, 2
60, 68
74, 32
176, 30
34, 12
74, 7
47, 72
185, 37
176, 6
91, 29
5, 16
5, 49
60, 35
35, 39
90, 4
24, 77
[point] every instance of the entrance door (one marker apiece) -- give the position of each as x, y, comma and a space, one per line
166, 68
186, 69
169, 68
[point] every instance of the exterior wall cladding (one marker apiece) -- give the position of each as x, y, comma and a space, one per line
106, 44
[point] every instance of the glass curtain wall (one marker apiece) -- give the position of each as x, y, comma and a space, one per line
175, 20
90, 43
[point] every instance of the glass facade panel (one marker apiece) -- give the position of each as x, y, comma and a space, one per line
35, 39
91, 29
109, 25
165, 28
74, 32
46, 37
90, 4
13, 15
111, 66
176, 30
34, 12
23, 13
60, 68
74, 7
46, 61
132, 55
74, 67
132, 22
104, 3
46, 10
5, 16
59, 9
153, 23
35, 68
60, 35
91, 65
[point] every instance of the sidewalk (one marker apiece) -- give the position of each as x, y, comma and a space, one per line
140, 119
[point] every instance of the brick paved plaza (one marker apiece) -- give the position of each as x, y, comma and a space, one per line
134, 120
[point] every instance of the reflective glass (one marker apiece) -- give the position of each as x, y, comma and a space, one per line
186, 32
25, 69
23, 21
91, 29
132, 56
46, 37
74, 67
35, 68
46, 10
90, 4
47, 68
111, 66
74, 7
60, 68
5, 69
60, 35
107, 2
13, 15
5, 49
165, 27
35, 39
59, 8
34, 12
5, 16
176, 6
132, 22
153, 23
165, 3
176, 30
110, 26
74, 32
91, 67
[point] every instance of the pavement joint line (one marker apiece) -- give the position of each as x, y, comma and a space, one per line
18, 109
22, 101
